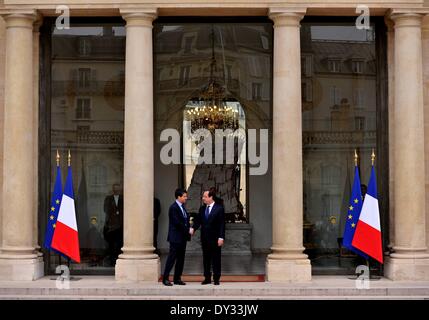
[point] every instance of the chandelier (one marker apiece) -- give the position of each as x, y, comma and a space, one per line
212, 109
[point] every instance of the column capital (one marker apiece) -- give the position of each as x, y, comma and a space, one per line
390, 24
407, 18
139, 17
38, 21
286, 16
19, 18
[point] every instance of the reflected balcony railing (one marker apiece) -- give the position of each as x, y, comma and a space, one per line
98, 88
192, 83
87, 137
339, 137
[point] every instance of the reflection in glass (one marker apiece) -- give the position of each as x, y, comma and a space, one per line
339, 115
87, 117
214, 76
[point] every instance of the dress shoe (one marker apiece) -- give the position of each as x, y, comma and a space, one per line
216, 283
180, 283
206, 281
167, 283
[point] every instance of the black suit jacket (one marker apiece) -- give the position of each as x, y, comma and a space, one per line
114, 213
213, 228
178, 226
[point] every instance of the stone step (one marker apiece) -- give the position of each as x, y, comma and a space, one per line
218, 298
107, 288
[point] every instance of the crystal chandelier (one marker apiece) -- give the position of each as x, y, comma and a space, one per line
212, 109
212, 113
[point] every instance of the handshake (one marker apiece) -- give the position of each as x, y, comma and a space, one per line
219, 242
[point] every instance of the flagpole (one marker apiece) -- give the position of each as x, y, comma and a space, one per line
69, 164
58, 164
370, 277
356, 158
71, 278
367, 260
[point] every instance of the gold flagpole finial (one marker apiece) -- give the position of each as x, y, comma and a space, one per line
58, 159
372, 157
356, 158
69, 159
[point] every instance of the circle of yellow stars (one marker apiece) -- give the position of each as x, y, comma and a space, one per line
350, 216
51, 217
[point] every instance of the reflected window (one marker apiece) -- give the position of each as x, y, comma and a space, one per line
98, 175
184, 75
357, 66
83, 108
256, 91
189, 41
84, 77
84, 46
360, 123
334, 65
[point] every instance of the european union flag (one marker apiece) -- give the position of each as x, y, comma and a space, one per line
353, 213
53, 210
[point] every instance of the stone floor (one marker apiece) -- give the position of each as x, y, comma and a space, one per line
252, 264
231, 264
321, 287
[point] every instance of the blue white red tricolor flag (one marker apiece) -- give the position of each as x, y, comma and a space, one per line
367, 237
66, 238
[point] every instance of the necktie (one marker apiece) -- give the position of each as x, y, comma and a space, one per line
183, 211
207, 212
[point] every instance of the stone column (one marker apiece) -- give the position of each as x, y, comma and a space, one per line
36, 40
138, 262
390, 71
287, 262
409, 260
425, 39
18, 260
2, 57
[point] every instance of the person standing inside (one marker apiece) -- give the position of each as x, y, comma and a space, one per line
211, 219
178, 235
113, 230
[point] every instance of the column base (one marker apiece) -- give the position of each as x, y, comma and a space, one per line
288, 270
406, 269
21, 269
148, 270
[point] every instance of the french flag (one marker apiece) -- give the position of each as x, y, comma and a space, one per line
66, 238
367, 237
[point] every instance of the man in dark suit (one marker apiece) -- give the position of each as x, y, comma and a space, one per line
211, 219
178, 235
114, 224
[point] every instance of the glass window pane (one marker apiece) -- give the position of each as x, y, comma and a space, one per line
87, 118
339, 84
237, 58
